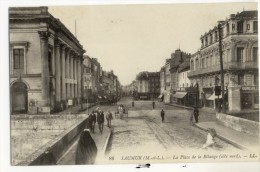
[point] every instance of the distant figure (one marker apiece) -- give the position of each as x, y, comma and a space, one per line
162, 115
89, 121
100, 120
48, 158
133, 104
93, 121
86, 151
196, 114
109, 117
153, 104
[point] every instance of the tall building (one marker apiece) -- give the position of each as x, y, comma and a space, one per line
148, 85
169, 76
45, 62
240, 63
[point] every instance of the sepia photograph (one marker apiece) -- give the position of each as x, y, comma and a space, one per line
114, 84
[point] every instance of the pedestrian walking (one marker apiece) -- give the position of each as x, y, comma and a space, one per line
93, 121
162, 115
153, 104
196, 114
133, 104
100, 120
109, 117
86, 151
89, 121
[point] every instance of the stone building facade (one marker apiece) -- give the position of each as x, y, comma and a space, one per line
45, 62
240, 63
148, 85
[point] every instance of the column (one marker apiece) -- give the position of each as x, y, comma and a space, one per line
68, 74
57, 71
44, 35
71, 75
63, 73
76, 76
79, 78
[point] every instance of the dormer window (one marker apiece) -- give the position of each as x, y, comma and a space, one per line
240, 27
255, 27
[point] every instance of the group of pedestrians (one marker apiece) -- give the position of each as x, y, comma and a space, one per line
98, 116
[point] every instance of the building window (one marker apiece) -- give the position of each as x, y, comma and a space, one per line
211, 40
256, 80
240, 27
227, 29
203, 63
240, 80
248, 26
233, 27
240, 54
255, 27
191, 65
211, 60
216, 36
18, 55
255, 54
197, 63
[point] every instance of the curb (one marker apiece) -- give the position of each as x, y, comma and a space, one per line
183, 107
189, 108
106, 143
224, 139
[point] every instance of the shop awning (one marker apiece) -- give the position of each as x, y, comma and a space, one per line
213, 97
179, 95
160, 96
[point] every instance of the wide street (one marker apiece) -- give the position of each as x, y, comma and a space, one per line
141, 133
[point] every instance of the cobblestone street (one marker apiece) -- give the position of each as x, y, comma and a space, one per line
143, 133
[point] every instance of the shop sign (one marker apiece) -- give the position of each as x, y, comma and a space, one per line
250, 88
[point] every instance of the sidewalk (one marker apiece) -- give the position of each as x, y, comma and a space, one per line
204, 109
101, 141
238, 139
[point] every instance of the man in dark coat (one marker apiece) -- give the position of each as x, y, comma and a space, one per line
100, 120
162, 115
153, 104
89, 121
196, 114
93, 120
86, 151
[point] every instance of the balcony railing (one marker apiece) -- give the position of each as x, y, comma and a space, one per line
226, 66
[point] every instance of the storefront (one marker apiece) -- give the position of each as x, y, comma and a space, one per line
207, 100
180, 98
249, 97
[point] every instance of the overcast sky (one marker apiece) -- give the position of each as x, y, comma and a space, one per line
133, 38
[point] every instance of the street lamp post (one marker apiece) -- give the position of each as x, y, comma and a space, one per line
221, 70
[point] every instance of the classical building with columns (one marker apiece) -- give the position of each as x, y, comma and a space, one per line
240, 63
45, 62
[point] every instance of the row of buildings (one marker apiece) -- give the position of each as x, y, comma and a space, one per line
190, 79
99, 85
48, 69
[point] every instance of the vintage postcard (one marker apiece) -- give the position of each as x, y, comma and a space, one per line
134, 84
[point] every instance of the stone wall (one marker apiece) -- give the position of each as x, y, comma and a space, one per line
239, 124
56, 146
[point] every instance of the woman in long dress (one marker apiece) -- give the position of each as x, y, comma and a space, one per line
86, 150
